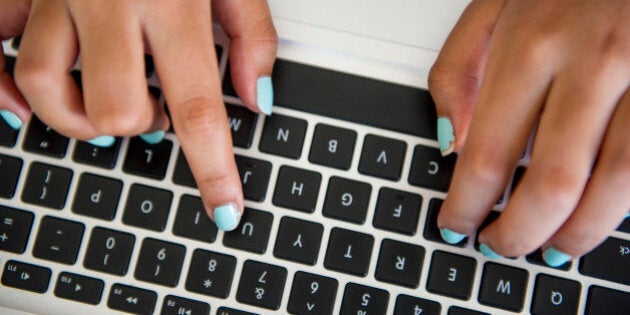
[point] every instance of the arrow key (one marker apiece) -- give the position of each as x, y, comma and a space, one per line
131, 299
79, 288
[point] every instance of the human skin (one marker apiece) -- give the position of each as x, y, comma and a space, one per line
112, 38
561, 69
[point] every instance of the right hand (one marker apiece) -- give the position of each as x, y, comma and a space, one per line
112, 38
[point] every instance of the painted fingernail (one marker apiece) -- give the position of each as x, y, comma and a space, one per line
102, 141
488, 252
554, 257
12, 120
446, 137
226, 217
450, 236
154, 137
264, 91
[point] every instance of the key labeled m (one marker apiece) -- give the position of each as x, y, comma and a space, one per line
504, 287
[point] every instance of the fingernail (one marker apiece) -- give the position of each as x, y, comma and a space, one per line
154, 137
102, 141
450, 236
446, 137
264, 91
554, 257
488, 252
226, 217
12, 120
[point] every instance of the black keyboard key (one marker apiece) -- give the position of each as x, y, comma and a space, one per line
160, 262
382, 157
231, 311
15, 43
47, 185
451, 275
298, 240
79, 288
147, 160
360, 299
607, 301
41, 139
210, 273
242, 125
332, 146
397, 211
283, 136
174, 305
406, 304
9, 65
15, 227
349, 252
252, 233
553, 295
261, 285
10, 168
131, 299
109, 251
347, 200
518, 175
455, 310
431, 230
97, 196
608, 261
297, 189
312, 294
149, 66
339, 95
88, 154
537, 259
182, 174
625, 225
58, 240
192, 221
254, 177
503, 287
147, 207
400, 263
429, 169
8, 135
26, 276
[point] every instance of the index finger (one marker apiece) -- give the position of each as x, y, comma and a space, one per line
183, 49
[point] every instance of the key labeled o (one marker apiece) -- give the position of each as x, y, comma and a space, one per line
146, 206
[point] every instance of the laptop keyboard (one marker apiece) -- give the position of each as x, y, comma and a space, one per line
341, 208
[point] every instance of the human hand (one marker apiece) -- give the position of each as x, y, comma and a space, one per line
558, 67
13, 107
112, 38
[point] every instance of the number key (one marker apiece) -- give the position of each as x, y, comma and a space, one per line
160, 262
312, 294
261, 285
109, 251
211, 273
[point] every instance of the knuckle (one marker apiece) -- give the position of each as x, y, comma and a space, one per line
113, 118
560, 186
485, 166
33, 77
264, 32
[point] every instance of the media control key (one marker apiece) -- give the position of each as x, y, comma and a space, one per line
26, 276
131, 299
174, 305
79, 288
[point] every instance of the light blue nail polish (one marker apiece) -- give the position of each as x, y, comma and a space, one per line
450, 236
226, 217
488, 252
154, 137
264, 91
554, 257
12, 120
102, 141
446, 137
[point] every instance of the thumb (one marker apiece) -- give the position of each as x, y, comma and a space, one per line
253, 47
455, 77
13, 108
